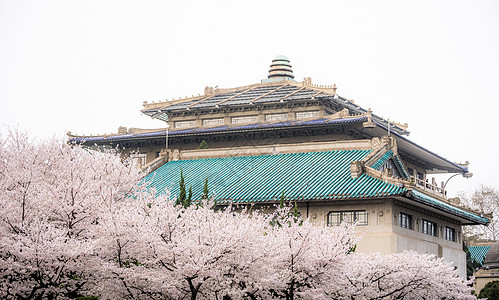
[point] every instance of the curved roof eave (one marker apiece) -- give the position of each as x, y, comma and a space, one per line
412, 148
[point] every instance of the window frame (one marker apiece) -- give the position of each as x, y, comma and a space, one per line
405, 221
358, 217
185, 124
428, 227
450, 237
244, 119
300, 115
213, 122
276, 117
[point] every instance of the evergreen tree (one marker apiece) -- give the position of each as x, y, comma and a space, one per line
296, 215
281, 201
188, 200
205, 190
471, 264
490, 290
181, 196
203, 145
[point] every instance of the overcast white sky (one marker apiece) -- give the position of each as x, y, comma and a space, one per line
86, 66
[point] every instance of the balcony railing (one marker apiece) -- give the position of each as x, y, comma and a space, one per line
430, 188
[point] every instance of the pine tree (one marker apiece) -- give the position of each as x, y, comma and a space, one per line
203, 145
205, 190
296, 215
188, 201
182, 194
281, 201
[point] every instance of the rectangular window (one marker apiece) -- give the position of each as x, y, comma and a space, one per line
405, 221
276, 117
307, 114
138, 159
185, 124
410, 171
429, 227
450, 234
213, 122
336, 217
244, 119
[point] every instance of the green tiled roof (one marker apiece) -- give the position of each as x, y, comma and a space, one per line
382, 160
478, 252
448, 208
301, 176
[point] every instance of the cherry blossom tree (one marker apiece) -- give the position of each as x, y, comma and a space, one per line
78, 222
310, 256
51, 195
406, 275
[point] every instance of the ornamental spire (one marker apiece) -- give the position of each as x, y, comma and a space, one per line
280, 69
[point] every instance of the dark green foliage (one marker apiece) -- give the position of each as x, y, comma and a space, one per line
131, 263
296, 215
206, 191
471, 264
188, 201
182, 195
490, 291
203, 145
281, 201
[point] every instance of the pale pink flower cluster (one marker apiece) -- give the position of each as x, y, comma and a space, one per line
74, 222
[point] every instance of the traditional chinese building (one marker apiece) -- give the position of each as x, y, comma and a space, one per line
338, 161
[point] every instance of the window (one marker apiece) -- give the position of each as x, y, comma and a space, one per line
244, 119
405, 221
410, 171
212, 122
307, 114
138, 159
429, 227
276, 117
336, 217
185, 124
450, 234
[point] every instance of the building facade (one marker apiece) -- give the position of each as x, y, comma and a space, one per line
336, 160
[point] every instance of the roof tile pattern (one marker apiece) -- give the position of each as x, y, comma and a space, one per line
259, 94
298, 123
377, 165
311, 176
430, 201
478, 253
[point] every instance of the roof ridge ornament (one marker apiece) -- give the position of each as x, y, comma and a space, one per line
209, 91
280, 70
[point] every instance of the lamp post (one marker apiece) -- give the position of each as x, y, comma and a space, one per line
465, 175
163, 117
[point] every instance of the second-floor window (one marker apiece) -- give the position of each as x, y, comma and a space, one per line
450, 234
357, 216
244, 119
405, 220
276, 117
429, 227
307, 114
185, 124
213, 122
